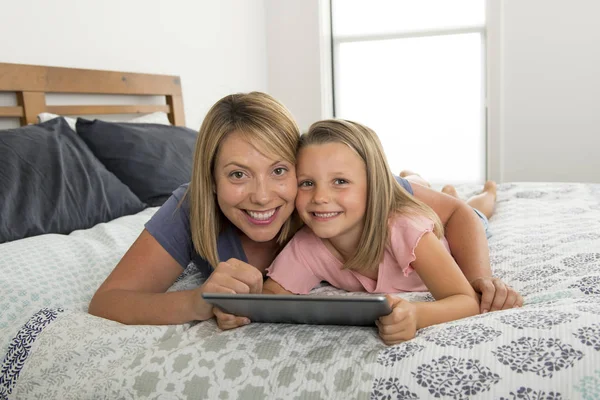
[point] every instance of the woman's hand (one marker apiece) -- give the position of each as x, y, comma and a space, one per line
235, 277
495, 294
401, 324
229, 321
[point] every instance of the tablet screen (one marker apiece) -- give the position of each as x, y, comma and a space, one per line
303, 309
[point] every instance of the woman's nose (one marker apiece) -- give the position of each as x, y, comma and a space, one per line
261, 193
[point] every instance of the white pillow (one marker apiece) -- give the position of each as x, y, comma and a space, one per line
43, 117
158, 117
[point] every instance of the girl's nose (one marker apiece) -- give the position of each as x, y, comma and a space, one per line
320, 196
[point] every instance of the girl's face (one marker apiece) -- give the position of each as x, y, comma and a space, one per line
254, 191
332, 191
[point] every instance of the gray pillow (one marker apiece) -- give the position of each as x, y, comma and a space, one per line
153, 160
50, 182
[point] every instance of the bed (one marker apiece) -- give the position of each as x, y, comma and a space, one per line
545, 242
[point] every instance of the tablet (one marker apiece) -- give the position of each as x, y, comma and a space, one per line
302, 309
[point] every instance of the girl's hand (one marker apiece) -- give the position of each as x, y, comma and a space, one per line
495, 294
228, 321
401, 324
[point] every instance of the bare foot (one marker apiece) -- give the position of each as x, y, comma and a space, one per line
485, 201
490, 186
450, 190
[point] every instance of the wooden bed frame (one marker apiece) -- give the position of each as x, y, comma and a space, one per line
31, 83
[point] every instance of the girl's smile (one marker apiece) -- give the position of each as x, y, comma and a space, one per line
332, 192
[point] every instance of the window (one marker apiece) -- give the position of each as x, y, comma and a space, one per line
414, 72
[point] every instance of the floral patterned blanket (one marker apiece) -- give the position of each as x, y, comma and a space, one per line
545, 242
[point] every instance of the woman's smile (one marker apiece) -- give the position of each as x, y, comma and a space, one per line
262, 217
255, 191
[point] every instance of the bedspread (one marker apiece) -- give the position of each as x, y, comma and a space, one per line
545, 242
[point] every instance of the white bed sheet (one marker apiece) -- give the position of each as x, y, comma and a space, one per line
545, 242
60, 270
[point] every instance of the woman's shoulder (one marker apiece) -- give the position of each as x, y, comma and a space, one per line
180, 191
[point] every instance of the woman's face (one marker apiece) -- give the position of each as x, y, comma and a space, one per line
255, 191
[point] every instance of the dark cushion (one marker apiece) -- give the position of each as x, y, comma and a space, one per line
153, 160
50, 182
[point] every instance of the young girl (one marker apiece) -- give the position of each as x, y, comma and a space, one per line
365, 233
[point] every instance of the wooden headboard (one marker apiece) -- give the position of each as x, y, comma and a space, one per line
31, 83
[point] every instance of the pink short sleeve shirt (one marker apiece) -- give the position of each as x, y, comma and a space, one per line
305, 262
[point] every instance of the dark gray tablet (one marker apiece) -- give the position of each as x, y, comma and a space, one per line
302, 309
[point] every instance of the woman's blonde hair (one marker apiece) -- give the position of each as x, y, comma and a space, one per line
265, 123
385, 196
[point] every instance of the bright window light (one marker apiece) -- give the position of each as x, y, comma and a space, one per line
361, 17
423, 94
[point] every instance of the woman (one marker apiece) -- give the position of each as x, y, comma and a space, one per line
239, 207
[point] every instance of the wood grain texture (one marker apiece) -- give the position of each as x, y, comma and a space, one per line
33, 103
32, 82
101, 110
177, 115
11, 111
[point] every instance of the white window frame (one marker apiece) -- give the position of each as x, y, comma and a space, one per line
491, 98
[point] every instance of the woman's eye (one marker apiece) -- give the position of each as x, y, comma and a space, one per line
237, 174
340, 181
305, 184
279, 171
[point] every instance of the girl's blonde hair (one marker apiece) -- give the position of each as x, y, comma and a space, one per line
268, 126
385, 196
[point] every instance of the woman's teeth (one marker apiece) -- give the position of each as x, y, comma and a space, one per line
261, 215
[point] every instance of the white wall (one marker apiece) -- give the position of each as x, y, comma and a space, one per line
543, 87
550, 90
217, 47
299, 59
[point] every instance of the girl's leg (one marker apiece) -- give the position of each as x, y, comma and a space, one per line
413, 177
484, 202
450, 190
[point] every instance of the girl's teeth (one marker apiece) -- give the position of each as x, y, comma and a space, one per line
262, 216
326, 215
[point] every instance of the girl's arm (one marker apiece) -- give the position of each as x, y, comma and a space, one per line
455, 298
272, 287
468, 243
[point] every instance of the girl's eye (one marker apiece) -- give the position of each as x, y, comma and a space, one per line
305, 184
340, 181
237, 174
279, 171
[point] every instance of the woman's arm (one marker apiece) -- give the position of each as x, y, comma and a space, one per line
463, 230
227, 321
134, 293
468, 244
